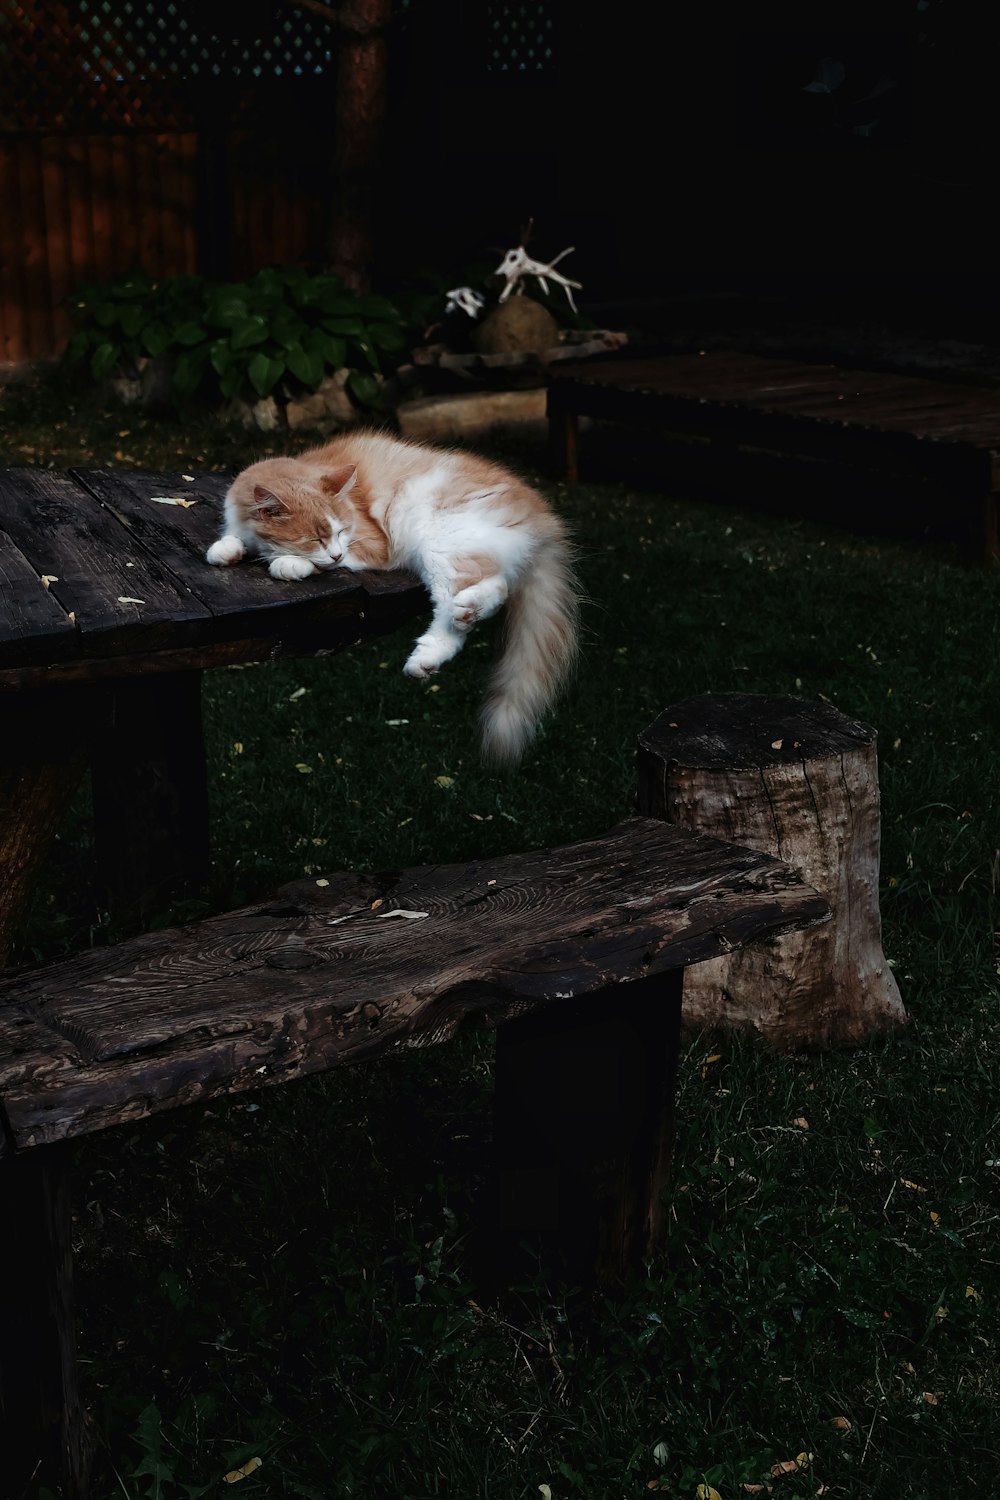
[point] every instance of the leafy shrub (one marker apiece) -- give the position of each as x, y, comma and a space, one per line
238, 338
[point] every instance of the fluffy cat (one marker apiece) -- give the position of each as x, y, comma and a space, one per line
477, 535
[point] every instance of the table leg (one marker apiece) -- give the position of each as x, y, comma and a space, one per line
583, 1120
46, 1435
151, 825
564, 440
44, 743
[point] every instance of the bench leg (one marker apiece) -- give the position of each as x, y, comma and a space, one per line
43, 757
989, 537
582, 1131
564, 441
45, 1434
151, 796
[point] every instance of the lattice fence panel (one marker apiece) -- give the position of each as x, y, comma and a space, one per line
145, 64
520, 36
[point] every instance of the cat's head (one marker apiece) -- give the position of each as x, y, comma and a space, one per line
293, 508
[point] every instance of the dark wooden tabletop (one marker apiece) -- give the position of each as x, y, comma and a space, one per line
103, 574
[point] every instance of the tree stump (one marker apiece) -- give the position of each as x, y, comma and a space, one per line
799, 780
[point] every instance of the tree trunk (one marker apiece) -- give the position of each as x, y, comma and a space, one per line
798, 780
360, 111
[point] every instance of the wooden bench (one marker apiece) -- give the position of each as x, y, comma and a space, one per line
908, 427
576, 955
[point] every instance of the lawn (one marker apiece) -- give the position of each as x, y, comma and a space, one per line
286, 1278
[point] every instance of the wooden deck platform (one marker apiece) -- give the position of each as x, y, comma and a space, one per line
905, 425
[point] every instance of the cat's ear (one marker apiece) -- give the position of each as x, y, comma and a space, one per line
269, 504
339, 481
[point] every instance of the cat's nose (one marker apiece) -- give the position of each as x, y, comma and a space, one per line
335, 556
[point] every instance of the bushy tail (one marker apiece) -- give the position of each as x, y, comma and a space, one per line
540, 645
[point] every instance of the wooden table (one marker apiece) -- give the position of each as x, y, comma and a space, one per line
913, 428
108, 616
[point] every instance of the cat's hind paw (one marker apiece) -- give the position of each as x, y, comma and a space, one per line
290, 567
228, 549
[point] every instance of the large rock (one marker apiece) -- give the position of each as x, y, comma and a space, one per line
519, 325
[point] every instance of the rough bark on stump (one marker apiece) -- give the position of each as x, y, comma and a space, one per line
799, 780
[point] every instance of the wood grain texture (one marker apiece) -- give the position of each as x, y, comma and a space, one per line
798, 780
324, 975
103, 538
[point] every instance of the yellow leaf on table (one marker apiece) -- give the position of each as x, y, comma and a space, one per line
776, 744
235, 1475
127, 599
172, 500
48, 578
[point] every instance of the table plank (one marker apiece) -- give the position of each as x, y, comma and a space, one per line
33, 625
180, 535
94, 568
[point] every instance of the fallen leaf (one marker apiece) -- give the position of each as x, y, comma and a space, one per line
545, 1492
914, 1185
301, 766
399, 912
71, 617
235, 1475
776, 744
801, 1122
444, 781
376, 904
930, 1398
707, 1492
394, 722
322, 882
970, 1291
172, 500
299, 693
935, 1218
48, 578
841, 1424
127, 599
188, 477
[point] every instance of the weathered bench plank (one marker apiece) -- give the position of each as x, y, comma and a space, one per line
332, 974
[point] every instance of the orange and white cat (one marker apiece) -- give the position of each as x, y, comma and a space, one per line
477, 535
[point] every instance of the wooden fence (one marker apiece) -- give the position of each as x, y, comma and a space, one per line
85, 207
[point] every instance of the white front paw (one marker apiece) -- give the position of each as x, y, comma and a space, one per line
421, 663
228, 549
290, 567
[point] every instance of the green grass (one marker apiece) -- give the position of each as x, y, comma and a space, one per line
288, 1277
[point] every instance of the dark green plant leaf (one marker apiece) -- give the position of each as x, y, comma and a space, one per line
305, 366
331, 349
189, 333
387, 336
104, 359
132, 319
349, 327
364, 388
251, 331
155, 338
221, 356
264, 373
367, 353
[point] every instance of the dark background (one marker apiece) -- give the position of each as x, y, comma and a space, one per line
682, 151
